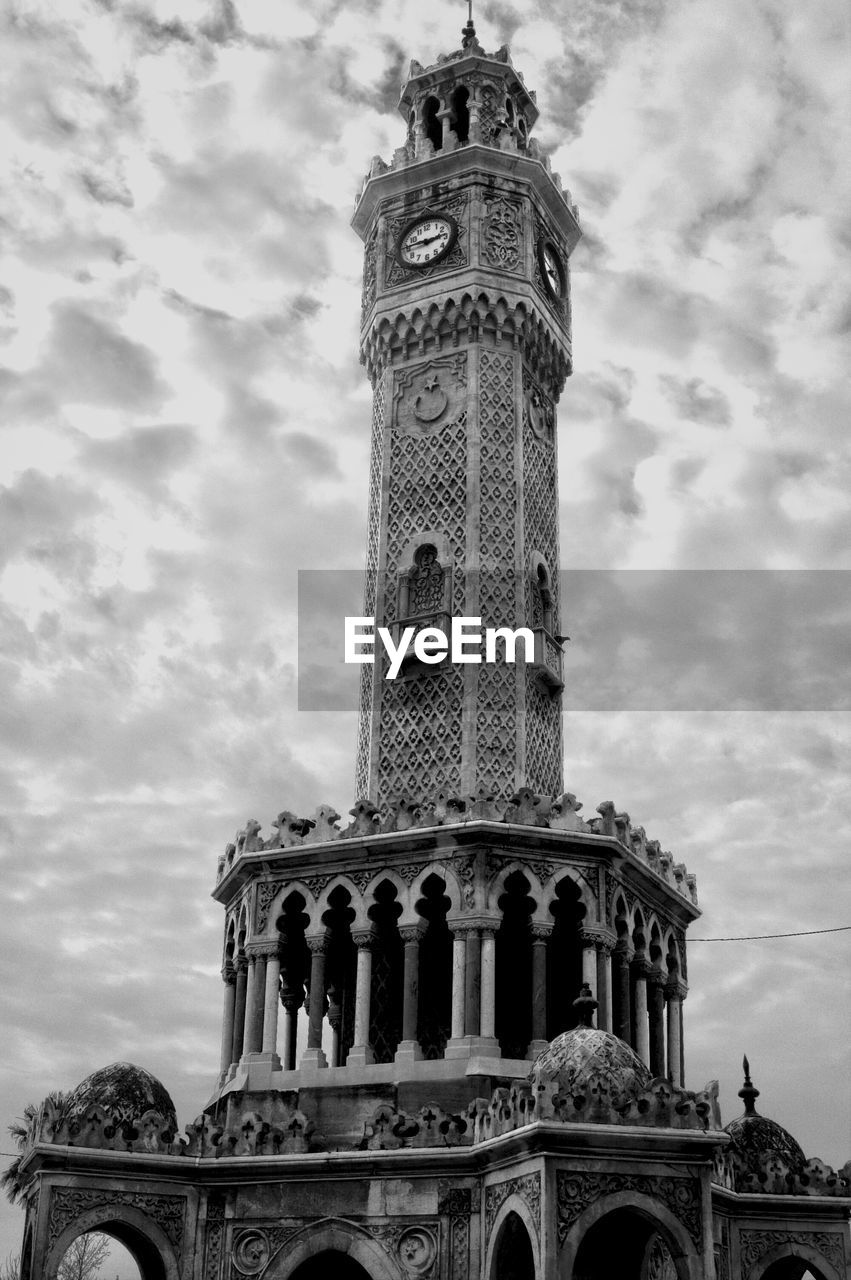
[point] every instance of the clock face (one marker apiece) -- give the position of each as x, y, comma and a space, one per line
426, 240
552, 270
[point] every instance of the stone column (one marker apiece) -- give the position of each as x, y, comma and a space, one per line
361, 1054
539, 1041
270, 1011
292, 999
656, 1000
248, 1017
605, 946
229, 979
487, 1041
589, 960
456, 1048
473, 983
622, 959
314, 1055
241, 967
674, 993
255, 1003
335, 1022
409, 1049
642, 1025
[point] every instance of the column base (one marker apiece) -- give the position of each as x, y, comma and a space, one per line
536, 1047
457, 1047
472, 1046
360, 1055
408, 1052
313, 1058
260, 1067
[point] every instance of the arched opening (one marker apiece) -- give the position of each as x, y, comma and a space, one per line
435, 965
330, 1263
513, 1258
113, 1248
514, 968
340, 974
621, 957
564, 959
792, 1268
461, 113
385, 1029
295, 968
433, 126
628, 1244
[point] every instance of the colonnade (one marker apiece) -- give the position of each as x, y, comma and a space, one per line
636, 999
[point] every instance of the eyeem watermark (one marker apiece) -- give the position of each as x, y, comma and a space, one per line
431, 644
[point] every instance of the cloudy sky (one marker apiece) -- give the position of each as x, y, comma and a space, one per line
185, 425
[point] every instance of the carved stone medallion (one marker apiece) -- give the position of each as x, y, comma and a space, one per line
430, 396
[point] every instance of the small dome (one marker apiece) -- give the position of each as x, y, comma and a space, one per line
756, 1138
123, 1091
585, 1056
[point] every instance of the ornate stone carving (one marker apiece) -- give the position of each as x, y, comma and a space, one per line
410, 871
251, 1252
168, 1212
316, 884
370, 259
214, 1238
453, 1200
417, 1251
428, 397
756, 1244
528, 1188
502, 235
465, 869
576, 1191
660, 1264
267, 891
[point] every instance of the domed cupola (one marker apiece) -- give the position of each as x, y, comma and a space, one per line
757, 1140
123, 1091
584, 1059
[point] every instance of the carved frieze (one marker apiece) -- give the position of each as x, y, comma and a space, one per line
68, 1204
528, 1188
428, 397
576, 1191
215, 1238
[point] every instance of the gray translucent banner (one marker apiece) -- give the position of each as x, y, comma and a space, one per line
642, 640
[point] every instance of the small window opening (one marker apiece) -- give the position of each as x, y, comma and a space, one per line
433, 128
509, 110
461, 112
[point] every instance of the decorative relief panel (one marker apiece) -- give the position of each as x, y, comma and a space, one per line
66, 1205
754, 1245
421, 735
395, 273
528, 1188
429, 396
576, 1191
214, 1242
502, 234
370, 266
456, 1203
496, 699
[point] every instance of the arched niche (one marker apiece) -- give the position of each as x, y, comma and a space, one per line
614, 1237
143, 1238
512, 1252
325, 1248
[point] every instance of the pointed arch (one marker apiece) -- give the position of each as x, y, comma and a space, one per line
144, 1238
657, 1217
515, 1207
333, 1235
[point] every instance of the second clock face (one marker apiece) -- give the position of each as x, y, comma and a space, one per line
425, 241
552, 270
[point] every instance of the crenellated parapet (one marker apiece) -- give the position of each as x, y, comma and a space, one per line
775, 1176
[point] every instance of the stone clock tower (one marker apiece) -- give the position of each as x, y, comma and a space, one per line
452, 1042
466, 339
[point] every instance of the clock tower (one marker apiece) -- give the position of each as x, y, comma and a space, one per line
466, 340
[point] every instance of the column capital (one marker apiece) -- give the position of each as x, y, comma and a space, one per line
228, 972
254, 950
364, 939
410, 933
656, 978
597, 935
474, 924
641, 966
240, 965
625, 949
540, 932
317, 944
675, 990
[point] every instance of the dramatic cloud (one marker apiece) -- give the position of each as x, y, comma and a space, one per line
185, 425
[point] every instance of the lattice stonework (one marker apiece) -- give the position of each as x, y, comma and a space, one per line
540, 526
370, 584
496, 702
420, 749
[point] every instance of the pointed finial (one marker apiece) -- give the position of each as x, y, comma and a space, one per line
585, 1004
468, 33
747, 1092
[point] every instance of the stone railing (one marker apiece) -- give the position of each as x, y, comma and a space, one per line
525, 808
